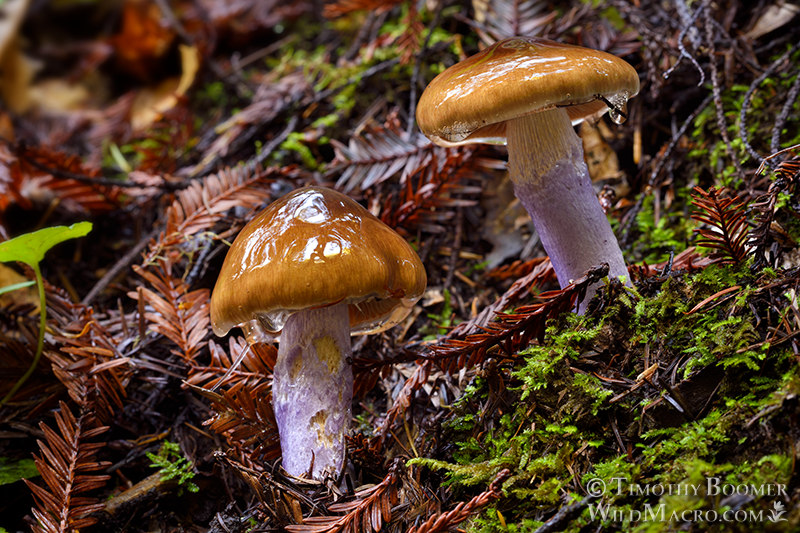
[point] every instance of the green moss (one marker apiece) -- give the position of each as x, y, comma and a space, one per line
658, 238
173, 465
295, 143
554, 428
441, 321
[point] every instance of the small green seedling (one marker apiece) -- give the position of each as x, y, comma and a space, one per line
172, 464
30, 248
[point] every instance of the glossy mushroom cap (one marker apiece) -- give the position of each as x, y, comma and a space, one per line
471, 101
316, 247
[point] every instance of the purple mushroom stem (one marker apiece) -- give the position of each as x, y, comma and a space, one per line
551, 180
312, 390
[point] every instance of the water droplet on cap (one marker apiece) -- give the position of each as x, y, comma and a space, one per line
618, 111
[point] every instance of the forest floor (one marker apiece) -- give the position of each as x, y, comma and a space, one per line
138, 137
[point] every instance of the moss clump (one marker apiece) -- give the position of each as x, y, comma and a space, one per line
661, 401
658, 237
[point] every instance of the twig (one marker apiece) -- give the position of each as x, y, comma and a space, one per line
368, 73
361, 37
721, 124
627, 226
273, 144
684, 53
20, 150
760, 168
122, 263
788, 105
252, 164
564, 515
749, 94
238, 64
456, 248
447, 521
688, 18
412, 107
676, 139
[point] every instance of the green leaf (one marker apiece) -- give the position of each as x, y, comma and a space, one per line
30, 248
15, 286
11, 472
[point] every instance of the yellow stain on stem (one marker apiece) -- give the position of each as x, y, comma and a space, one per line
319, 418
328, 352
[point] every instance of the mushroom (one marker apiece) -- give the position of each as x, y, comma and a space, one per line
311, 269
529, 92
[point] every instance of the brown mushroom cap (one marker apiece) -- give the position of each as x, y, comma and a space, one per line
471, 100
311, 248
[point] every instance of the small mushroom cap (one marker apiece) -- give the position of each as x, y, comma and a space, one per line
311, 248
471, 101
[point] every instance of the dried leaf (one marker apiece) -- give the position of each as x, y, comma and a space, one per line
344, 7
38, 174
174, 311
143, 39
377, 154
254, 371
201, 205
509, 18
151, 103
19, 72
86, 360
68, 465
365, 514
728, 222
246, 419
